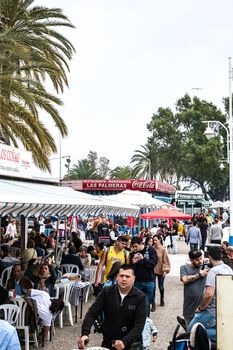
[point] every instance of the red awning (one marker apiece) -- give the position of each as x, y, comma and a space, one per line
165, 213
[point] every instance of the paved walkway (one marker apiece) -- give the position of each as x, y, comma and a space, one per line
164, 317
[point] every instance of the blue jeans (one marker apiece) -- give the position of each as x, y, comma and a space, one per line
160, 284
208, 321
174, 244
193, 246
148, 289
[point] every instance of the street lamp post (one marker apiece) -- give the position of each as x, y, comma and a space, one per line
210, 132
67, 165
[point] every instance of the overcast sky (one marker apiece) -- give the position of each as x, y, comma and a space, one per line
132, 57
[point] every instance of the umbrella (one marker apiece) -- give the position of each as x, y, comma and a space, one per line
165, 213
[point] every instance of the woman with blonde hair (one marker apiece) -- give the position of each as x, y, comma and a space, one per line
162, 268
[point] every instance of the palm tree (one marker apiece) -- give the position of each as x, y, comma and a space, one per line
31, 51
144, 163
83, 170
121, 173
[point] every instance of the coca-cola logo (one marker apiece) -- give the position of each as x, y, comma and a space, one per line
144, 184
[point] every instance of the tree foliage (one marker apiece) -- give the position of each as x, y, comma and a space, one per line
91, 167
31, 52
83, 170
178, 149
121, 173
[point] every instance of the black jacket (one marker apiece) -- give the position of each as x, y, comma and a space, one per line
103, 230
121, 322
72, 259
144, 269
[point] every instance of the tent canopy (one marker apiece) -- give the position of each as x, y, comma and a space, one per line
142, 199
219, 204
27, 198
165, 213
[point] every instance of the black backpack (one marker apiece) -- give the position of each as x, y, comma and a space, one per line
179, 342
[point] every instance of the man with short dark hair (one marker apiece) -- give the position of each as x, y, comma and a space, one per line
205, 312
194, 236
114, 233
193, 279
124, 308
103, 228
18, 281
72, 258
216, 232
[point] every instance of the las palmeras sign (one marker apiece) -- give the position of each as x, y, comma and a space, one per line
15, 162
120, 185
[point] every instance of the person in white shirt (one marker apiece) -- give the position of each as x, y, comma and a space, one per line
85, 257
154, 230
46, 307
11, 230
225, 216
114, 233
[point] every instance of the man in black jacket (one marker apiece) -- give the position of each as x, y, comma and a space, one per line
144, 259
124, 308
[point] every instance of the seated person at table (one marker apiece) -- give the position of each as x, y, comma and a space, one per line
29, 253
46, 279
71, 258
3, 266
18, 281
85, 257
41, 245
46, 307
51, 240
91, 251
7, 257
3, 295
76, 241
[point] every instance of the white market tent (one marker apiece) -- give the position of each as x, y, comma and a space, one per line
27, 198
142, 199
219, 204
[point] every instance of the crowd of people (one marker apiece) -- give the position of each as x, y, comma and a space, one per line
129, 271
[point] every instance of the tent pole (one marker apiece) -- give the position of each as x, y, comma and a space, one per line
65, 235
23, 232
139, 220
56, 250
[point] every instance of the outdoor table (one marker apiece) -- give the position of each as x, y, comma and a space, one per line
77, 294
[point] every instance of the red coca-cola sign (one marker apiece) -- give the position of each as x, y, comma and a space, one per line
120, 185
149, 185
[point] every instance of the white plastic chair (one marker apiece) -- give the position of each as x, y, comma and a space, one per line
93, 270
66, 288
69, 268
6, 275
59, 256
20, 322
90, 274
10, 313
